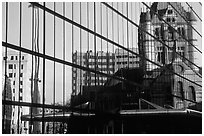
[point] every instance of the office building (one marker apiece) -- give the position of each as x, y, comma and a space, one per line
124, 59
100, 61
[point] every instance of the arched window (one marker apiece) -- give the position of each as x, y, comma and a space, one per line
191, 93
180, 89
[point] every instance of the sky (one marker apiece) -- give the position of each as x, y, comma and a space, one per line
114, 32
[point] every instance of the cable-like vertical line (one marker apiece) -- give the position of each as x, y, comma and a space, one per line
54, 74
101, 16
111, 54
19, 75
81, 54
132, 60
107, 60
127, 35
31, 108
136, 34
88, 53
123, 36
73, 43
64, 60
43, 112
95, 55
117, 58
5, 82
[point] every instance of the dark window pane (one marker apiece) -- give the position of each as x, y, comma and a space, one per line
170, 11
10, 74
10, 66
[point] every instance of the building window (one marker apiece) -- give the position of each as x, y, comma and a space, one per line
169, 11
181, 31
180, 89
157, 32
20, 98
13, 90
11, 57
21, 90
10, 74
181, 51
191, 93
10, 66
16, 57
13, 82
21, 82
168, 19
22, 66
21, 74
22, 57
14, 66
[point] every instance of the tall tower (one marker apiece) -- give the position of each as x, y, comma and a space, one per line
146, 42
179, 42
190, 52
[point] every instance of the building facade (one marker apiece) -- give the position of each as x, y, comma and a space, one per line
100, 61
124, 59
19, 74
7, 109
169, 44
155, 23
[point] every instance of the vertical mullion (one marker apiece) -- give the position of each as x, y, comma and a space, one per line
43, 113
19, 78
5, 84
80, 51
88, 42
88, 53
132, 60
107, 41
31, 108
64, 60
117, 65
123, 36
127, 35
101, 42
54, 78
136, 27
73, 41
94, 6
113, 41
